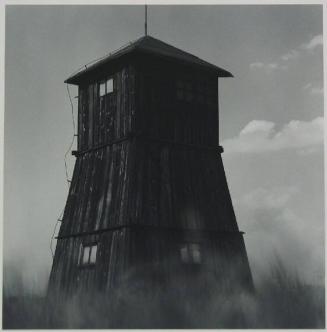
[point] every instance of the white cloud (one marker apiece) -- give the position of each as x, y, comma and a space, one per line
257, 126
314, 90
256, 65
268, 67
272, 66
293, 54
273, 227
308, 151
313, 43
317, 91
276, 198
261, 136
307, 86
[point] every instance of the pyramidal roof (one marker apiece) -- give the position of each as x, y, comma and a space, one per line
150, 45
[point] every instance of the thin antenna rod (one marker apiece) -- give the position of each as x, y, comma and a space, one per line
146, 21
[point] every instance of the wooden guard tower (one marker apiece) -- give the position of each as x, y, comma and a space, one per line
149, 197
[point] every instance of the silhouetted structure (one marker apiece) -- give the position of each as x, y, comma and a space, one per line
148, 200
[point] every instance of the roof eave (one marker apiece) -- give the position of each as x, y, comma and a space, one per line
82, 75
88, 72
225, 73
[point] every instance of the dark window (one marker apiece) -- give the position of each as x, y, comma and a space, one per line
180, 90
180, 94
211, 93
200, 93
191, 253
189, 92
88, 254
184, 90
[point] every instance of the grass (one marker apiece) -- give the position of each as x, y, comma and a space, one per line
281, 300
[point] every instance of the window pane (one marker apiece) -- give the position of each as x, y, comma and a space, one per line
184, 254
180, 94
102, 89
189, 96
93, 256
110, 85
195, 253
179, 84
86, 254
201, 98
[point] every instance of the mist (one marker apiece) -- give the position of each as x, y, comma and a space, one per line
280, 300
277, 190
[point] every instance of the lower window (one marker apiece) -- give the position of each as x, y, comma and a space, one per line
191, 253
88, 254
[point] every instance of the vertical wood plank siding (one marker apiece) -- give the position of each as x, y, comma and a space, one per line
148, 184
139, 199
136, 255
162, 114
103, 119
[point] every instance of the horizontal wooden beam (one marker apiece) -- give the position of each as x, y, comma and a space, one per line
98, 147
152, 228
218, 148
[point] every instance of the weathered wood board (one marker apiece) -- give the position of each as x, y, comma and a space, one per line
148, 177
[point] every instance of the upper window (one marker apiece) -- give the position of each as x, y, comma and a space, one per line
102, 89
88, 254
191, 253
106, 87
184, 91
195, 91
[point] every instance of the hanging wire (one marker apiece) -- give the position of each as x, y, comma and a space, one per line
101, 58
66, 169
74, 130
73, 139
54, 231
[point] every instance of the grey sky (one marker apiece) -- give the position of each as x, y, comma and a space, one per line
276, 57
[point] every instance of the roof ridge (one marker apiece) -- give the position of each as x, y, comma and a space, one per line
175, 47
104, 57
